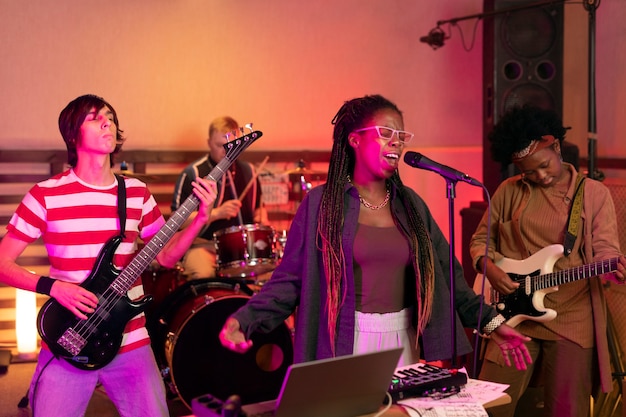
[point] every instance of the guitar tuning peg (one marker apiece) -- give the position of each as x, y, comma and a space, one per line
249, 126
228, 136
241, 130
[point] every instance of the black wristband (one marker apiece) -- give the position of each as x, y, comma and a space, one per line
44, 285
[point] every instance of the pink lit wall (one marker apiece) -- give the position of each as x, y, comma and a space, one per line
170, 66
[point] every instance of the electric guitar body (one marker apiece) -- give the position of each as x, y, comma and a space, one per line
536, 279
61, 330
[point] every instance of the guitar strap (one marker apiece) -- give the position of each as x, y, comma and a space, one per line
573, 222
121, 203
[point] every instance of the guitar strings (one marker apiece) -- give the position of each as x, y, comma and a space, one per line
110, 298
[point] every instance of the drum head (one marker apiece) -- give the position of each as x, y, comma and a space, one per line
199, 364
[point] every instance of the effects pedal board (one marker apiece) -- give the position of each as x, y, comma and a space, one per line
422, 380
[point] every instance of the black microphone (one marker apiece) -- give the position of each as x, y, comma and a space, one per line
434, 38
417, 160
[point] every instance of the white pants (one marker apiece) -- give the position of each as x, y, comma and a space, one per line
376, 331
132, 381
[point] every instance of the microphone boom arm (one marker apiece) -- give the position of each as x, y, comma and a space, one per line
454, 20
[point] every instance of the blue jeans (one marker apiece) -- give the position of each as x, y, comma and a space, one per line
132, 382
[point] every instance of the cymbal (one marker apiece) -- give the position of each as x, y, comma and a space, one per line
304, 171
142, 177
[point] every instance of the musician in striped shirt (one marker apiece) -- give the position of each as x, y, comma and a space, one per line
75, 213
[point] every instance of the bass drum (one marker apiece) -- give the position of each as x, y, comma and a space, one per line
192, 358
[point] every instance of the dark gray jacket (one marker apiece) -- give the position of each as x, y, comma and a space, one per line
299, 281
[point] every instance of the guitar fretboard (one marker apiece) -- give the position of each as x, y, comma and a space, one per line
565, 276
150, 251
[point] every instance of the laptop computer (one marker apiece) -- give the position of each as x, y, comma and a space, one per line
345, 386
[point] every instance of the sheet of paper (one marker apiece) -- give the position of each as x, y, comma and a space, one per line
467, 403
465, 410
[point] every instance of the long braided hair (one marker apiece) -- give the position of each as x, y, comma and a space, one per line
351, 116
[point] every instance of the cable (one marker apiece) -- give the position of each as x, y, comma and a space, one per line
35, 385
387, 407
417, 411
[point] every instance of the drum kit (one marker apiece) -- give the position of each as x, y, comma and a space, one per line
186, 316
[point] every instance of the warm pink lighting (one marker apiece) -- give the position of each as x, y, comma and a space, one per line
25, 323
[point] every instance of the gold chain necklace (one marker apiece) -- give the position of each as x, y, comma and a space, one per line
369, 205
372, 206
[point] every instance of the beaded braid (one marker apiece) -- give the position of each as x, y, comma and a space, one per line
423, 263
330, 218
351, 116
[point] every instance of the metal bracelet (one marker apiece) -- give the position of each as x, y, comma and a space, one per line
493, 324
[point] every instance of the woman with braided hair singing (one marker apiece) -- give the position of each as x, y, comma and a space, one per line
365, 263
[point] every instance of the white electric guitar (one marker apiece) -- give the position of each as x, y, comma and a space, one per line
536, 279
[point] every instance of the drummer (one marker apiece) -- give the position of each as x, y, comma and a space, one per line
230, 209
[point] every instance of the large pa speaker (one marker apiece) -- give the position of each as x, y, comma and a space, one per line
522, 63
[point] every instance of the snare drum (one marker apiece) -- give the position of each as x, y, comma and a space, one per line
192, 357
245, 251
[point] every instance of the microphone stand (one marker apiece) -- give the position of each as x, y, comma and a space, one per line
591, 6
451, 195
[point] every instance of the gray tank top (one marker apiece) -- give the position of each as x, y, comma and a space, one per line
382, 263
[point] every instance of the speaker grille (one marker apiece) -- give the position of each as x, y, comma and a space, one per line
528, 93
527, 56
529, 33
522, 64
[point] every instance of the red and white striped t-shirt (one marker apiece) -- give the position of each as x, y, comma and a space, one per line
76, 219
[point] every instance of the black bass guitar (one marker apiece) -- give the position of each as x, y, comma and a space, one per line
92, 343
536, 279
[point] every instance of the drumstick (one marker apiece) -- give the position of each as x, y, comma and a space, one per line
254, 177
234, 191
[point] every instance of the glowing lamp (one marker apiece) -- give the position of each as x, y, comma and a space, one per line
25, 323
